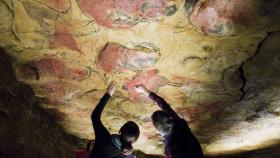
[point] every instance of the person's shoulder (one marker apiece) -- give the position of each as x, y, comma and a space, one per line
179, 120
180, 124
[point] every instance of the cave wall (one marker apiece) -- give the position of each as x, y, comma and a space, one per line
215, 61
253, 122
27, 130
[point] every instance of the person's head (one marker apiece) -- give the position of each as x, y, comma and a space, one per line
163, 122
128, 133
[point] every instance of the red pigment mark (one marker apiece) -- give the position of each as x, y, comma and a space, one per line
149, 78
60, 5
152, 135
123, 13
129, 7
154, 8
53, 67
143, 8
184, 80
148, 124
193, 113
59, 92
98, 10
83, 113
219, 16
63, 37
115, 57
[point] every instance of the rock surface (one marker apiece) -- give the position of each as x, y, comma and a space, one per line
27, 130
216, 62
127, 13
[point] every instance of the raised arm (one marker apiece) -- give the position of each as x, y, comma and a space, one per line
159, 100
162, 104
101, 133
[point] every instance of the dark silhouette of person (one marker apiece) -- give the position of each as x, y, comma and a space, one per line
178, 138
116, 145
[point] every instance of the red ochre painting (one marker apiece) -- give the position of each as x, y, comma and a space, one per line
150, 78
64, 36
210, 59
115, 57
126, 13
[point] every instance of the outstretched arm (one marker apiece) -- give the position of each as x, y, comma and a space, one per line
101, 133
163, 104
159, 100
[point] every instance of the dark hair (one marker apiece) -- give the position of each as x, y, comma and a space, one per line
129, 129
127, 148
163, 122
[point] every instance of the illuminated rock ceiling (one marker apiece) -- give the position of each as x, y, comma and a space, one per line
215, 61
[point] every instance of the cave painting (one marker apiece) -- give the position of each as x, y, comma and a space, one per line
223, 17
57, 5
51, 66
149, 78
181, 80
59, 92
189, 5
195, 113
115, 57
61, 77
60, 5
69, 50
126, 13
63, 36
220, 16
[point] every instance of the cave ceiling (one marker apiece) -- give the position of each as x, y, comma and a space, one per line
210, 59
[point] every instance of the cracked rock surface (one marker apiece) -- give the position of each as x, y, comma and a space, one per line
215, 61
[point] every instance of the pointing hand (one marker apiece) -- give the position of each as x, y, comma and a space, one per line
111, 88
142, 89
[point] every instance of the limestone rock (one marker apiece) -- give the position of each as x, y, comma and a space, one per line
215, 61
222, 17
